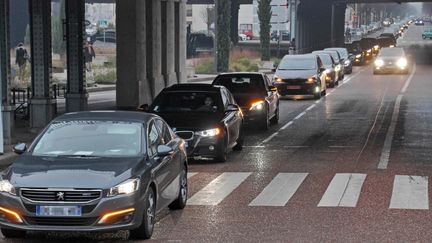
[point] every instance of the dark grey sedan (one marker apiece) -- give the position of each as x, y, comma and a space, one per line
95, 171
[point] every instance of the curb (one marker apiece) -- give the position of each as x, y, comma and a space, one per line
100, 89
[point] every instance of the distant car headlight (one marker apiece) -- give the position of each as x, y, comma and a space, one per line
337, 68
347, 63
257, 106
379, 63
359, 56
376, 47
127, 187
209, 133
311, 80
402, 62
6, 186
369, 51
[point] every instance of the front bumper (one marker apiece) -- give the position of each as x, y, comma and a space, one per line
253, 116
390, 69
298, 88
203, 147
91, 214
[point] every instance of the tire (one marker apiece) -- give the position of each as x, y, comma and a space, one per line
337, 83
332, 84
240, 141
221, 153
145, 230
275, 118
10, 233
324, 92
181, 200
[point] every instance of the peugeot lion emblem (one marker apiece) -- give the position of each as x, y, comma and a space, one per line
60, 196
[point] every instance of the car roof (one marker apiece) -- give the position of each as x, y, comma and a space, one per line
125, 116
335, 48
194, 87
241, 73
300, 56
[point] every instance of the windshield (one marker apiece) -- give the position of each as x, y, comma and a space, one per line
187, 101
298, 64
90, 138
391, 52
343, 52
241, 83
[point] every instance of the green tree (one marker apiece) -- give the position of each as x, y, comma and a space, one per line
58, 44
264, 16
223, 27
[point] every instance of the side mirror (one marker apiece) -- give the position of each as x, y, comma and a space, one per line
232, 108
163, 150
144, 107
20, 148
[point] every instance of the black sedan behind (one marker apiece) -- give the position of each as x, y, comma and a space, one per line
206, 116
95, 171
257, 97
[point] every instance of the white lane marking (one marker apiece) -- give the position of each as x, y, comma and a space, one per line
280, 190
343, 191
269, 138
217, 190
191, 174
410, 192
385, 152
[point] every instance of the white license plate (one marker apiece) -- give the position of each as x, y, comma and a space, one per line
293, 87
59, 211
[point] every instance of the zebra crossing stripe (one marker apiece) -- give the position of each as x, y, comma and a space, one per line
280, 190
217, 190
410, 192
191, 174
343, 191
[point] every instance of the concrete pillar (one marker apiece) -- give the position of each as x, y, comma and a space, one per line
235, 8
333, 26
144, 88
7, 108
154, 46
180, 45
42, 105
168, 42
76, 96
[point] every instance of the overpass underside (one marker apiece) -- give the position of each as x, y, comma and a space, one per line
151, 54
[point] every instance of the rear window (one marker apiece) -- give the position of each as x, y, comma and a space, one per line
326, 59
241, 83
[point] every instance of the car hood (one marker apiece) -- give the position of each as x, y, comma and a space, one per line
71, 172
245, 100
295, 74
194, 121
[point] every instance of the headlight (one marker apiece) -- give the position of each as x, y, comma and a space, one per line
6, 186
379, 63
391, 46
369, 51
257, 106
311, 80
358, 56
347, 62
209, 133
376, 47
402, 63
337, 68
277, 79
127, 187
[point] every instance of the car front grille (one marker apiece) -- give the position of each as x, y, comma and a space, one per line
60, 221
294, 81
80, 196
186, 135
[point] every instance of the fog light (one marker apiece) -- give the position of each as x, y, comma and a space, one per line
116, 216
10, 215
317, 89
211, 148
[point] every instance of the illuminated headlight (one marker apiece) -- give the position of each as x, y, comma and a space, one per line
209, 133
337, 68
358, 56
311, 80
376, 47
402, 63
257, 106
347, 63
369, 51
6, 186
127, 187
379, 63
391, 46
277, 79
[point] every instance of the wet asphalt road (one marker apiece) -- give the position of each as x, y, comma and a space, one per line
314, 176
